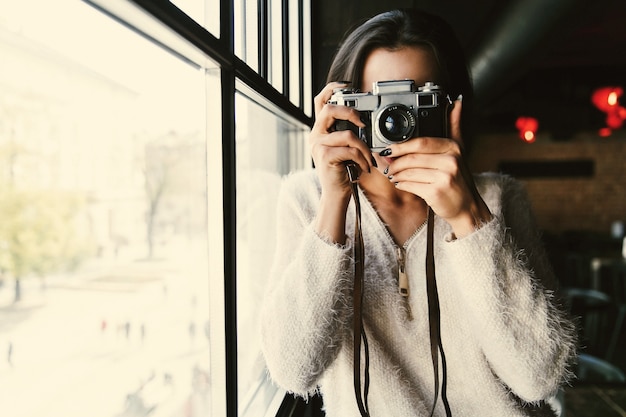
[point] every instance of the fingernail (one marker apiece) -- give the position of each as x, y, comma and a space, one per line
374, 162
385, 152
386, 171
460, 97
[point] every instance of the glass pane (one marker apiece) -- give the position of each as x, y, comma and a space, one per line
215, 225
246, 32
276, 44
294, 53
263, 157
204, 12
104, 297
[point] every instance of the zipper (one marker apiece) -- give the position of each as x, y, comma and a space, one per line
403, 281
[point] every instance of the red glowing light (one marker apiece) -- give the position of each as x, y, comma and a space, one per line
614, 120
527, 127
606, 99
529, 136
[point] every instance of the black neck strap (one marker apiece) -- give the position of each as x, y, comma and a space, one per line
436, 347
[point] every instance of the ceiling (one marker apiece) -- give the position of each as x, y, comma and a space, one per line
539, 58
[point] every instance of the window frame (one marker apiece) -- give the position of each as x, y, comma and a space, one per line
232, 69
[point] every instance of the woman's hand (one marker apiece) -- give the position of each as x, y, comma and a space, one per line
434, 169
331, 150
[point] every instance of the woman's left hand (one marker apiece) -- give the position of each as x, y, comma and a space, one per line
434, 169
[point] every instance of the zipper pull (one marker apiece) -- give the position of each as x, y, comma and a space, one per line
403, 279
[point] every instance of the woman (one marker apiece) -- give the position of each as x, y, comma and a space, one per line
507, 345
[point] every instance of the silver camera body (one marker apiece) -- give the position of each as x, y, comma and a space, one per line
395, 111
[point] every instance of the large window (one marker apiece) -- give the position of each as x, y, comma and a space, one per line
268, 146
142, 146
104, 297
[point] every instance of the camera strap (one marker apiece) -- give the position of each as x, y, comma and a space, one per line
434, 318
436, 346
357, 299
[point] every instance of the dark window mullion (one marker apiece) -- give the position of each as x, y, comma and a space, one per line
227, 38
230, 233
285, 23
263, 36
301, 55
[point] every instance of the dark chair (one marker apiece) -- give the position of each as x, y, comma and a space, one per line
591, 306
609, 276
591, 369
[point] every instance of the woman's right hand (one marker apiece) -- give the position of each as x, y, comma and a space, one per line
331, 149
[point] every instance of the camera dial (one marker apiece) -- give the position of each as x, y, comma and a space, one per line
429, 86
344, 90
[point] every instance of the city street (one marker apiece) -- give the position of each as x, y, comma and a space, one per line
83, 345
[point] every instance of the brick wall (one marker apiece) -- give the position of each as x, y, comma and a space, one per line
561, 204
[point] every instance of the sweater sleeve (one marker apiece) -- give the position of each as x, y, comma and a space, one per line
505, 280
305, 308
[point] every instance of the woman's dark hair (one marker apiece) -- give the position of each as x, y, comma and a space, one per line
401, 28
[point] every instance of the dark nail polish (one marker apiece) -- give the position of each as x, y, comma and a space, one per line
374, 162
386, 171
385, 152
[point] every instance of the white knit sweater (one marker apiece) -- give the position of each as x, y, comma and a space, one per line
507, 345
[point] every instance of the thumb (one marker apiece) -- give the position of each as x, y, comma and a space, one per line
455, 120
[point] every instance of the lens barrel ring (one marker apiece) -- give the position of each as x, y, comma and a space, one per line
396, 123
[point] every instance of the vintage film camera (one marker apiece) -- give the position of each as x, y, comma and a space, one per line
395, 111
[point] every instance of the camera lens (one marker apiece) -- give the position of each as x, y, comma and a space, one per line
396, 123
